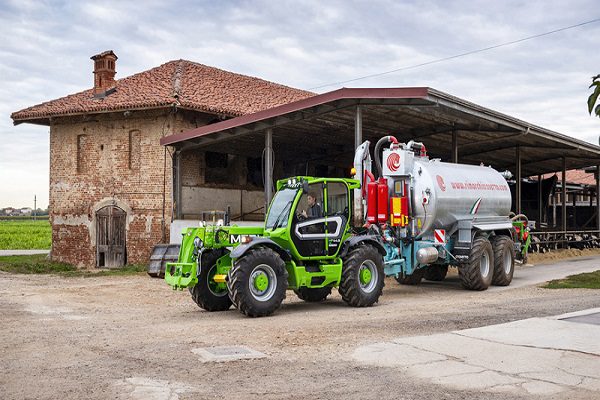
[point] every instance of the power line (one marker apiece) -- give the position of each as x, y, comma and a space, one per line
439, 60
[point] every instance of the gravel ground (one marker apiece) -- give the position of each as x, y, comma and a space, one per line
132, 338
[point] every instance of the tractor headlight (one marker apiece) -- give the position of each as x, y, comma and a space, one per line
246, 239
197, 242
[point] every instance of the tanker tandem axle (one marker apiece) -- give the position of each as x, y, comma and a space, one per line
419, 217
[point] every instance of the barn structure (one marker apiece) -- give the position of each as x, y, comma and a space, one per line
134, 160
317, 136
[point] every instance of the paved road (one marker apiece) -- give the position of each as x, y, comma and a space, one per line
529, 275
542, 356
22, 252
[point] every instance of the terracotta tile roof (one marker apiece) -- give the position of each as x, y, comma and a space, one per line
576, 176
189, 84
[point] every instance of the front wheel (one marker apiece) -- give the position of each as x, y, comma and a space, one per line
362, 277
208, 294
257, 282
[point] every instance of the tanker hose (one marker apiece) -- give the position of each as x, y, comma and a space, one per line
520, 217
380, 142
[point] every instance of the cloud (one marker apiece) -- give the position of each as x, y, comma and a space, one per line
46, 45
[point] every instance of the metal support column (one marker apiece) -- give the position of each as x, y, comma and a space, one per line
598, 197
357, 197
268, 167
518, 181
539, 201
177, 185
575, 209
454, 147
358, 127
563, 194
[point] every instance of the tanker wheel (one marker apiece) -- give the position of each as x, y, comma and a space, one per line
436, 273
412, 279
313, 295
477, 273
362, 276
504, 260
257, 282
208, 294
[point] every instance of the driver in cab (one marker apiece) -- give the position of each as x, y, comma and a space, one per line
314, 208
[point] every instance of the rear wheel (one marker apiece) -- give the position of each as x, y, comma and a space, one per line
208, 294
257, 282
312, 295
412, 279
436, 273
504, 260
362, 276
477, 273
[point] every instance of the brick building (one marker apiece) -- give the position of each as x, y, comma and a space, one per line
111, 181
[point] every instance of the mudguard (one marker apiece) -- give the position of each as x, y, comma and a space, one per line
374, 240
240, 250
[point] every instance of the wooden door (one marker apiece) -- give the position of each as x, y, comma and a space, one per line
110, 237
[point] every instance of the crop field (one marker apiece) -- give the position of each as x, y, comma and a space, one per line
25, 234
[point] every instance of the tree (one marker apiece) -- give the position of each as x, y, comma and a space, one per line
593, 99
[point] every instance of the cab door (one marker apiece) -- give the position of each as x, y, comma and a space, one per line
337, 214
309, 225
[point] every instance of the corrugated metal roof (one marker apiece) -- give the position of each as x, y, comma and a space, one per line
421, 113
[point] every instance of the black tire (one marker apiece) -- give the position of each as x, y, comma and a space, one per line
259, 265
477, 273
412, 279
204, 294
313, 295
504, 260
354, 288
436, 273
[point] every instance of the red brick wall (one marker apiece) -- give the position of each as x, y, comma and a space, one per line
110, 175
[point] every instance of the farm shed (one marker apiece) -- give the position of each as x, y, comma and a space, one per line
318, 135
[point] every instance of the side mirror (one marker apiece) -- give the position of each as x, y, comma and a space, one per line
305, 186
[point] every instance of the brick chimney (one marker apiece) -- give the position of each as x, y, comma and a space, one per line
104, 72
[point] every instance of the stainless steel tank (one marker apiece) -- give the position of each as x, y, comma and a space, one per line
445, 193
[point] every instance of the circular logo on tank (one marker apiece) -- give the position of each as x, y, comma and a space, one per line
393, 162
441, 183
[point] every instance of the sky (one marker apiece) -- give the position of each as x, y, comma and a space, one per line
45, 49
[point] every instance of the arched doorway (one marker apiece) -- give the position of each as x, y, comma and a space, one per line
110, 237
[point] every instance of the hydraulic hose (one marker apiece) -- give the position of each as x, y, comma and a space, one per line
380, 142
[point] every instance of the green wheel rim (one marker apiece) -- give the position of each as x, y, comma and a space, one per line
262, 282
368, 276
365, 276
218, 289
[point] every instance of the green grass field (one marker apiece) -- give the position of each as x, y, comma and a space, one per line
25, 234
589, 280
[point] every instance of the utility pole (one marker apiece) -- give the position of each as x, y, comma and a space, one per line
34, 206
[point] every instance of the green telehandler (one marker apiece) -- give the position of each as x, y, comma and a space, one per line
306, 245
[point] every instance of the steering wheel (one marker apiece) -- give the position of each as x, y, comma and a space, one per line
301, 217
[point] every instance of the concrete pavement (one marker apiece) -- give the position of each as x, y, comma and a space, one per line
542, 356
